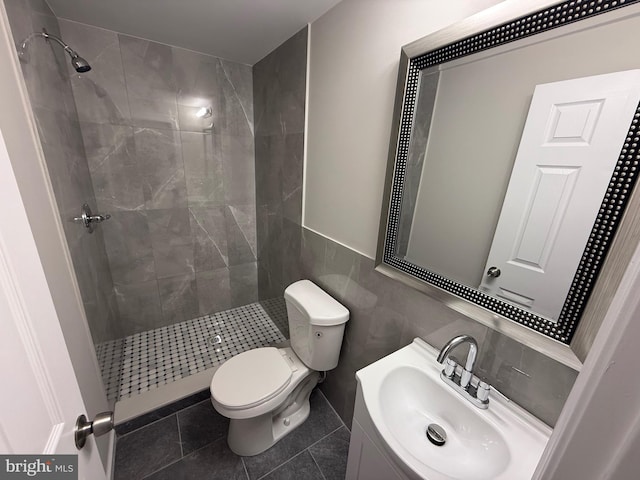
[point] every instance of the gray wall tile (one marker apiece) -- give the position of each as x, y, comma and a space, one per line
241, 233
279, 88
214, 291
386, 315
226, 87
179, 298
171, 241
181, 188
159, 154
128, 245
151, 84
236, 99
139, 306
279, 82
292, 177
202, 155
48, 84
101, 95
113, 165
209, 233
238, 170
244, 284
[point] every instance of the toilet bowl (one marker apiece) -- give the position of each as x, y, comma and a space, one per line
265, 391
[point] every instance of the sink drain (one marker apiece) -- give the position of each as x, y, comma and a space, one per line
436, 434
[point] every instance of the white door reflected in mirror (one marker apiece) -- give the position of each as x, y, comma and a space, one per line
568, 151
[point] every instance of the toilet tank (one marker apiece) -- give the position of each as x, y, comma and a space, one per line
316, 324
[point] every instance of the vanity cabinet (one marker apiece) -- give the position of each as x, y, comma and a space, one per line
368, 457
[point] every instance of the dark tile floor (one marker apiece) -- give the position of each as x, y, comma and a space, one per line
188, 440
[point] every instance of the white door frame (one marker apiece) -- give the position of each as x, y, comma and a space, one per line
27, 160
598, 433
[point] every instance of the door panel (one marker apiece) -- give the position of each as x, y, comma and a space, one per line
568, 150
41, 398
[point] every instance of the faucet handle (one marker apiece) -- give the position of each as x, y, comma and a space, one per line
482, 393
450, 367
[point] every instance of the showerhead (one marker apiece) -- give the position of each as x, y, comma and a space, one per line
79, 64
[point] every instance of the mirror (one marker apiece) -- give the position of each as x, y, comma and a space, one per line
511, 168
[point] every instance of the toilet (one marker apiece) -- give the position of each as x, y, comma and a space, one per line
265, 391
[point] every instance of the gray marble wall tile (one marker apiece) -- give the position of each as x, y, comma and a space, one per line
238, 163
522, 374
225, 87
66, 163
267, 286
272, 253
19, 14
236, 99
386, 315
114, 168
96, 287
279, 88
159, 154
269, 152
179, 298
44, 64
181, 188
244, 284
45, 70
202, 155
196, 80
209, 233
214, 291
292, 250
262, 231
100, 94
313, 252
241, 234
128, 245
279, 82
198, 87
106, 317
139, 306
173, 248
151, 83
292, 170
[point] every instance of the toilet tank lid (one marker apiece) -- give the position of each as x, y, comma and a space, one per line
321, 308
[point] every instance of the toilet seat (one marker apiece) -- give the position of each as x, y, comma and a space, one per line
251, 378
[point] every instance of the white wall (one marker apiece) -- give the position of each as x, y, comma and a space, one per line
354, 55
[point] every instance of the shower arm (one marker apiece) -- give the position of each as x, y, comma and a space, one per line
47, 36
77, 62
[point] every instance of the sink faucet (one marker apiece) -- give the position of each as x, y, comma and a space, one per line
460, 378
467, 373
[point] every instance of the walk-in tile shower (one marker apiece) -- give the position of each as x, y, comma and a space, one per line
201, 205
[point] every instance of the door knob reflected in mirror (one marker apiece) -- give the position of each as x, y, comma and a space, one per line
494, 272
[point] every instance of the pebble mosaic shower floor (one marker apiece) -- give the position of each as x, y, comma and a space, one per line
148, 360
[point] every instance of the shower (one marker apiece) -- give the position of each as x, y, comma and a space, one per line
78, 63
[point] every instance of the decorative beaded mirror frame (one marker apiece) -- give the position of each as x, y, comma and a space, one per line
477, 39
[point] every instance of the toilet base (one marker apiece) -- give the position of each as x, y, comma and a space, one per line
251, 436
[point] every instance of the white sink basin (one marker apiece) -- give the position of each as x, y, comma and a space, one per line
403, 394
